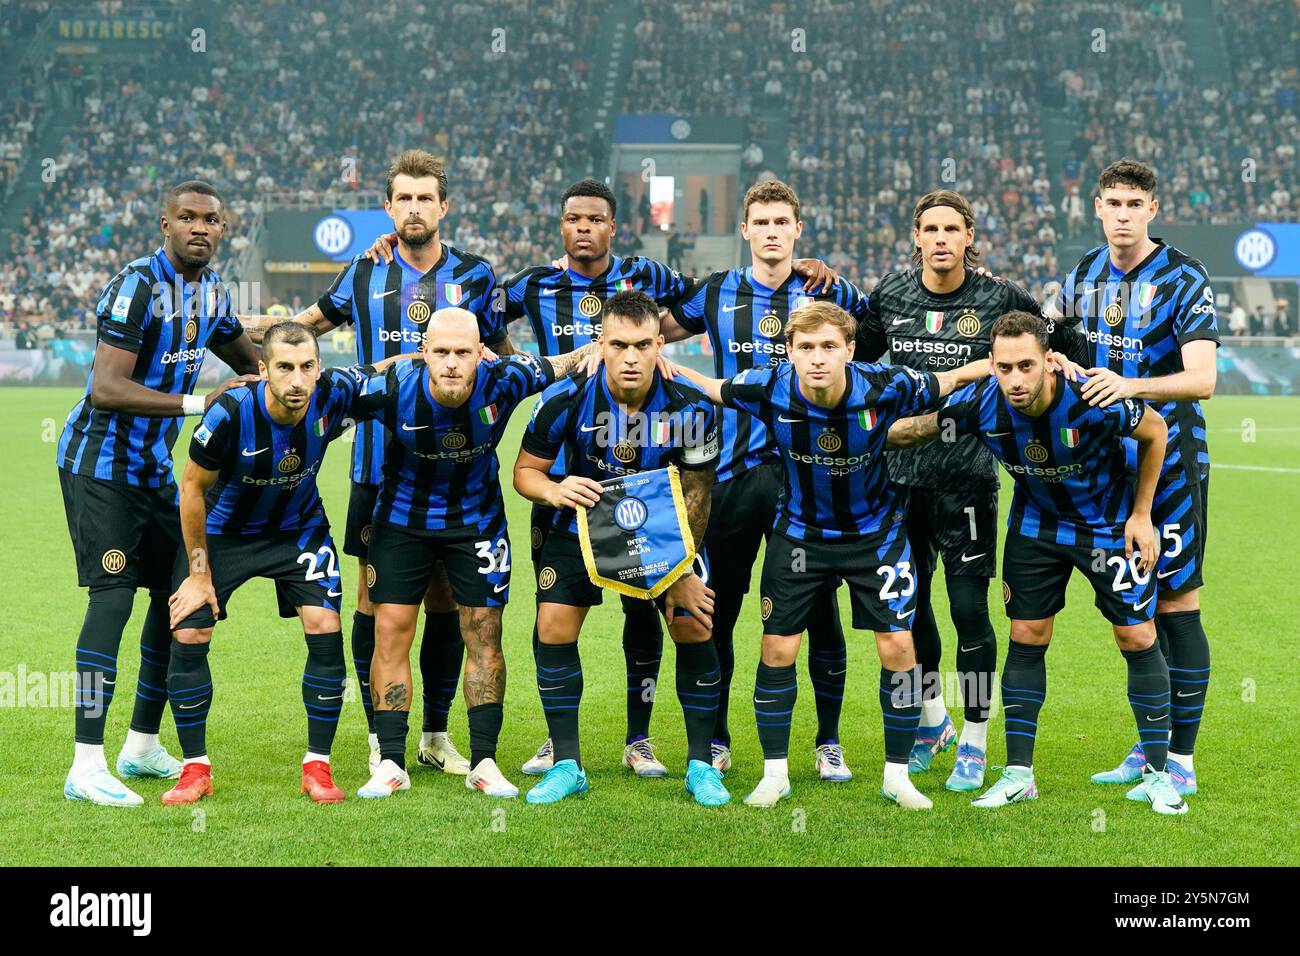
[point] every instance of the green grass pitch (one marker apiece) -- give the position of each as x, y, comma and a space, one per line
1245, 813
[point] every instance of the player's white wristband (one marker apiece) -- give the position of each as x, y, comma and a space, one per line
191, 404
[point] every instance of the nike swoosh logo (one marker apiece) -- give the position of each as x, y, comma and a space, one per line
380, 295
899, 322
549, 291
836, 673
643, 663
336, 697
192, 706
556, 687
788, 421
1138, 607
757, 701
498, 588
412, 428
1154, 719
333, 593
591, 428
107, 681
1161, 575
996, 434
974, 557
250, 454
700, 683
440, 763
733, 308
969, 649
170, 317
902, 615
1012, 796
1195, 693
1009, 706
110, 794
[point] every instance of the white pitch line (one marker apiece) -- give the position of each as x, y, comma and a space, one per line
1285, 471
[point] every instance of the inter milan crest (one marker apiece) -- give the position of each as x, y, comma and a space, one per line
770, 325
290, 462
968, 323
418, 312
453, 440
113, 561
1114, 314
590, 305
829, 441
191, 331
624, 452
1035, 452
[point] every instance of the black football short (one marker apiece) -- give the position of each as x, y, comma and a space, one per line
303, 564
562, 575
741, 515
1035, 575
1181, 517
542, 520
122, 535
878, 570
960, 526
400, 565
361, 509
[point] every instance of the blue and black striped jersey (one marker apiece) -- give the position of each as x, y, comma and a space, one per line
745, 323
837, 486
1073, 485
1136, 324
390, 306
676, 425
440, 464
267, 471
150, 310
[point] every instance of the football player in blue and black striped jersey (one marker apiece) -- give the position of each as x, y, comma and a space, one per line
440, 502
157, 319
1148, 312
1074, 508
838, 518
390, 303
621, 419
743, 312
250, 508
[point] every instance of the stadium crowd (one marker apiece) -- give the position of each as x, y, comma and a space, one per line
302, 115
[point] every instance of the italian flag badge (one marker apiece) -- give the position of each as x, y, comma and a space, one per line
933, 321
319, 429
488, 415
1069, 437
867, 418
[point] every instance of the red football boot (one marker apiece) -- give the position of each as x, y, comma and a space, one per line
195, 783
318, 783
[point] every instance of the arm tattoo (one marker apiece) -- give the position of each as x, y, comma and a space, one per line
697, 488
563, 364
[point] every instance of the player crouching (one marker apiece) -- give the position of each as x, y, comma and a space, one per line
255, 457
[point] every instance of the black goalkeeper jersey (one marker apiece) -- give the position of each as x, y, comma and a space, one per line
939, 332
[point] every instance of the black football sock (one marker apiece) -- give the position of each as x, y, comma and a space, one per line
1162, 638
441, 654
775, 692
484, 728
559, 682
1189, 676
698, 680
643, 647
189, 688
1024, 689
101, 633
363, 652
726, 611
827, 665
900, 709
324, 679
1148, 695
391, 727
155, 653
977, 646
